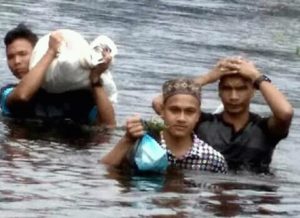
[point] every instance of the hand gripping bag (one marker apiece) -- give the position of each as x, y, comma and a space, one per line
70, 69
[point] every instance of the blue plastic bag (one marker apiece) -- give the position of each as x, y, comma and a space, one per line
149, 155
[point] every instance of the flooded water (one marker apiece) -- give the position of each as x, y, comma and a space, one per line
53, 171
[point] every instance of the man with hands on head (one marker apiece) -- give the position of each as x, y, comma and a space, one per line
28, 100
246, 139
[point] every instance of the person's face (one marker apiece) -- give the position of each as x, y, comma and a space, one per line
235, 93
18, 55
180, 113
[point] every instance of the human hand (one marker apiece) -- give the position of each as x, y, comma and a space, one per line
55, 41
134, 128
234, 65
226, 66
246, 69
103, 66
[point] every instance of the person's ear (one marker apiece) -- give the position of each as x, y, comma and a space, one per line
198, 117
162, 112
157, 104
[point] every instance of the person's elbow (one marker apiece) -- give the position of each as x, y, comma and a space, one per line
19, 97
24, 98
285, 116
110, 161
288, 114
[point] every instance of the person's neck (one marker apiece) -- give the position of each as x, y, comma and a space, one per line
238, 121
177, 145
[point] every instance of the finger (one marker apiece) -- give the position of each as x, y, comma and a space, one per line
107, 57
231, 72
232, 66
132, 125
225, 68
221, 63
134, 118
235, 61
107, 49
137, 134
227, 61
136, 124
136, 131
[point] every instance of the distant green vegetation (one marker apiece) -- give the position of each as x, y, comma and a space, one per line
154, 124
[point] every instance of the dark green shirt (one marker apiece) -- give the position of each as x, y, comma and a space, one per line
250, 148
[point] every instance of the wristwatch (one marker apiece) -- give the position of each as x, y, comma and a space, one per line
259, 80
97, 82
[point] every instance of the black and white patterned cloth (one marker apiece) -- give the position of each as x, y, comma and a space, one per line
201, 156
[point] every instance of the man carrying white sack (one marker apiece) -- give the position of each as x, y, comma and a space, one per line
28, 99
75, 59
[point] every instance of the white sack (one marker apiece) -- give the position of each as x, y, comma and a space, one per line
70, 70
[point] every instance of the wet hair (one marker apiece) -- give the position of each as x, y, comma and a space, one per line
245, 79
20, 32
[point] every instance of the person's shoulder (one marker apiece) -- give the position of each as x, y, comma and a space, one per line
256, 118
261, 122
208, 116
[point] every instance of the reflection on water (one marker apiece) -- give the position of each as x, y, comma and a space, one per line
191, 195
52, 170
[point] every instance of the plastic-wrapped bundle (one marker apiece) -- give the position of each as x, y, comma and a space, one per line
149, 155
70, 69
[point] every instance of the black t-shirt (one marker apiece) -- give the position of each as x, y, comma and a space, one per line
74, 105
250, 148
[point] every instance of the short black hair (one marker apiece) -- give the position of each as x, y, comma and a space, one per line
20, 32
237, 75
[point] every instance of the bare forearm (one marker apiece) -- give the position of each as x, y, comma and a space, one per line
33, 80
282, 110
118, 153
204, 79
106, 113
